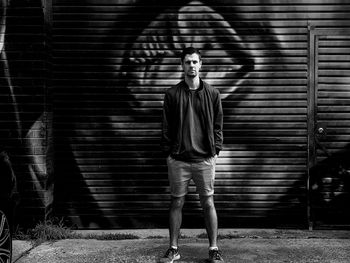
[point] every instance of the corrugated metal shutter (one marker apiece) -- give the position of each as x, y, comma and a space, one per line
113, 61
330, 176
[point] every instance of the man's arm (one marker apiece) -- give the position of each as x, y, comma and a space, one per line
218, 123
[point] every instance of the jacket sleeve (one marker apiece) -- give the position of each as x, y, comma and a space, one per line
165, 137
218, 123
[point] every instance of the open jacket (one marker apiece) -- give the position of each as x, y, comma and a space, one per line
174, 108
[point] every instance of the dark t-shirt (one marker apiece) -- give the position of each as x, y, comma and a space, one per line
193, 147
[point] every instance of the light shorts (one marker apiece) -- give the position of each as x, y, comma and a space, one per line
202, 173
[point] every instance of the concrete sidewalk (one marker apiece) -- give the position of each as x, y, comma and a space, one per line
238, 245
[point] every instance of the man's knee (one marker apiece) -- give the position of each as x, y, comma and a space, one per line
207, 202
177, 202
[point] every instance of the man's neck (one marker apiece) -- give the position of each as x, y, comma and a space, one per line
193, 83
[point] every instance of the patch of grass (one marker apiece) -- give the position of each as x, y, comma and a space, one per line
50, 230
55, 229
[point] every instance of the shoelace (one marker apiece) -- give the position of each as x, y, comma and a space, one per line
171, 251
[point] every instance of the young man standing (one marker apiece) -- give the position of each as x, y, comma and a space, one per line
192, 139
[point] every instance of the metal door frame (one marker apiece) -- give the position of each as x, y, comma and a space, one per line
313, 35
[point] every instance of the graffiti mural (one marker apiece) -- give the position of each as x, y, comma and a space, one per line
124, 129
23, 118
113, 64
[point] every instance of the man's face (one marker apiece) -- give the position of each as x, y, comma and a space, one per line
191, 65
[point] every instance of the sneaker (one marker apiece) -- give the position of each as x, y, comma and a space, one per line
170, 256
215, 256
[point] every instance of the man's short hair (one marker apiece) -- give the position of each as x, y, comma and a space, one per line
190, 51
